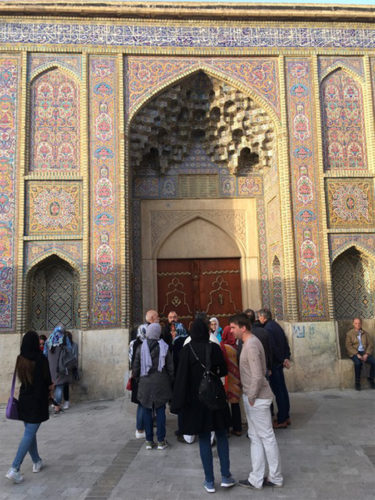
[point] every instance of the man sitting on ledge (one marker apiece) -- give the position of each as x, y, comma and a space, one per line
359, 346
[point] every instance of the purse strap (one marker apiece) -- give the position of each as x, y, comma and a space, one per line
206, 367
13, 382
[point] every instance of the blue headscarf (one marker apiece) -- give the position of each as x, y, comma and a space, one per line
56, 338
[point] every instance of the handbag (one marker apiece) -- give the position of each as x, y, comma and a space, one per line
11, 411
129, 385
211, 391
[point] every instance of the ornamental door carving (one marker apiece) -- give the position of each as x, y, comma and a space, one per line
190, 285
53, 296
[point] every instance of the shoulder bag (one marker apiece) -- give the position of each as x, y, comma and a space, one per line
11, 411
211, 391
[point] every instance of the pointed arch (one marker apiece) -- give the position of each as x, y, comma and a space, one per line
52, 286
54, 119
356, 246
344, 146
339, 65
188, 220
353, 274
51, 66
213, 72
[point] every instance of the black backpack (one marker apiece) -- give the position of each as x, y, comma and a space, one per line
211, 391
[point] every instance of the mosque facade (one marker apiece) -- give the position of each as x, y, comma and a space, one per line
191, 158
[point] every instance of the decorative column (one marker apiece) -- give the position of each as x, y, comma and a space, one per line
312, 295
105, 203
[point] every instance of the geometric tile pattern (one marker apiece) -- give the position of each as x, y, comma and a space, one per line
304, 187
344, 139
9, 88
105, 278
54, 122
353, 285
350, 202
54, 207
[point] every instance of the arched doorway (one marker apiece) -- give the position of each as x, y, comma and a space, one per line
53, 295
198, 269
200, 149
353, 285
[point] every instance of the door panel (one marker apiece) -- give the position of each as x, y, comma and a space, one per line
191, 285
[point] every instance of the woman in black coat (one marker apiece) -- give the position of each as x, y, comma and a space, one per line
196, 418
33, 371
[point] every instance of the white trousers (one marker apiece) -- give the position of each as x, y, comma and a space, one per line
263, 444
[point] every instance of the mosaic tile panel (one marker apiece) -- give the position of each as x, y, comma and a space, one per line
54, 122
54, 207
340, 242
133, 34
105, 277
354, 63
146, 74
9, 91
344, 139
35, 250
38, 61
304, 188
265, 287
350, 203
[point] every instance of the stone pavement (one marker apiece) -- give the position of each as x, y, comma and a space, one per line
328, 453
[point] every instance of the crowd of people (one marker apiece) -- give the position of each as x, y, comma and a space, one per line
45, 368
249, 355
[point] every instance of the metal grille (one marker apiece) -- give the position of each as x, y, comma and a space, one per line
60, 293
53, 296
198, 186
353, 288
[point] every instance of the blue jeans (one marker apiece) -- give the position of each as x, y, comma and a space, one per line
139, 421
358, 367
160, 423
278, 386
59, 393
206, 454
27, 444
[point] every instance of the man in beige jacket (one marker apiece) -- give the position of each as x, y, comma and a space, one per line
257, 398
359, 347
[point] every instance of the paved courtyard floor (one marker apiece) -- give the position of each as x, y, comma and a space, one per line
90, 452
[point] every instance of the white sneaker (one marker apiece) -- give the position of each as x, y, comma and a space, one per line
14, 475
38, 466
140, 434
66, 405
162, 445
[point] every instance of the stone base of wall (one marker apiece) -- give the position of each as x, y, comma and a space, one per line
103, 363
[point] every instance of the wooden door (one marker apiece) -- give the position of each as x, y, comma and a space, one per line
190, 285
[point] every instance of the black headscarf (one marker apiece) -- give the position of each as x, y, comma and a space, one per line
30, 346
199, 331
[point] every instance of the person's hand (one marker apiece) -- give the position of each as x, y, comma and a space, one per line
251, 403
359, 357
286, 364
365, 356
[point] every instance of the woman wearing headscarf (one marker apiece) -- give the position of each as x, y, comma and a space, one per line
33, 372
153, 367
215, 330
232, 384
196, 418
52, 349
